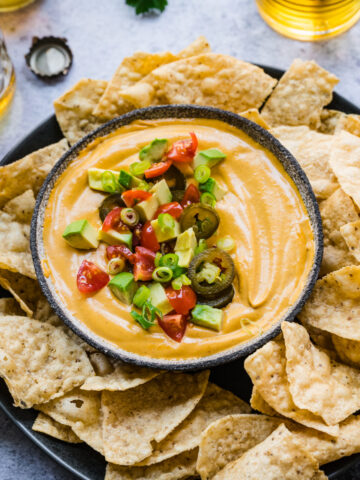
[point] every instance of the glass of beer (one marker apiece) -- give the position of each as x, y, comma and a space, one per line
8, 5
7, 76
310, 19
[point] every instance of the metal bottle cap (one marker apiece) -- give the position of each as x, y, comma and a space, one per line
49, 57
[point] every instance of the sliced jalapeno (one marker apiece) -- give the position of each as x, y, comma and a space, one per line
109, 203
225, 297
202, 218
174, 178
219, 258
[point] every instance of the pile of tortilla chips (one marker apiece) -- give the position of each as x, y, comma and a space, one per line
155, 425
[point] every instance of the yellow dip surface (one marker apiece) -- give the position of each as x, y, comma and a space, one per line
262, 211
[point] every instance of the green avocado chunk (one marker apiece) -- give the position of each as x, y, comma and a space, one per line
162, 192
112, 237
141, 296
123, 286
104, 180
163, 235
154, 150
80, 234
206, 316
209, 157
159, 298
212, 186
147, 208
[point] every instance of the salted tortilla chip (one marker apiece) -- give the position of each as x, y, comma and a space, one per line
29, 172
279, 456
39, 362
197, 47
254, 115
176, 468
345, 162
312, 150
45, 424
337, 211
26, 291
300, 95
135, 418
317, 383
21, 207
206, 79
334, 304
82, 412
9, 306
215, 403
350, 123
351, 234
267, 370
258, 403
329, 120
347, 350
74, 109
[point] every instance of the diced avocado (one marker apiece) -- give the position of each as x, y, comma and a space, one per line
95, 178
185, 257
154, 150
186, 240
123, 286
212, 186
162, 192
112, 237
141, 296
206, 316
125, 179
147, 208
159, 299
165, 235
209, 157
80, 234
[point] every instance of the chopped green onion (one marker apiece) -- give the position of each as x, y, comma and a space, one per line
149, 312
162, 274
177, 283
109, 182
129, 216
116, 265
157, 259
226, 243
166, 222
141, 295
138, 168
202, 173
169, 260
202, 245
208, 198
143, 322
209, 273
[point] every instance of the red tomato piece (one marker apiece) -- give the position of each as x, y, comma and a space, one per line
174, 326
183, 151
148, 238
144, 264
192, 195
158, 169
131, 197
182, 300
113, 221
90, 278
173, 208
115, 251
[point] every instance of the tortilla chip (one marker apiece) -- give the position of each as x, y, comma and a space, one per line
254, 115
176, 468
312, 150
334, 304
121, 377
337, 211
215, 403
21, 207
197, 47
29, 172
317, 383
267, 370
351, 234
350, 123
347, 350
345, 162
300, 95
82, 412
258, 403
38, 361
206, 79
133, 419
329, 120
74, 109
45, 424
26, 291
279, 456
320, 337
9, 306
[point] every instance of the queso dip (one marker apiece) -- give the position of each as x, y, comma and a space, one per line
262, 211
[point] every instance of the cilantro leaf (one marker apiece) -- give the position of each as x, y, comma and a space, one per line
144, 6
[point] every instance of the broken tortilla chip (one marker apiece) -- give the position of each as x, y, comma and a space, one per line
26, 291
9, 306
347, 350
254, 115
328, 121
21, 207
45, 424
350, 123
258, 403
351, 235
300, 95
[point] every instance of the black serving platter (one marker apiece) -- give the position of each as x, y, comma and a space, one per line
80, 459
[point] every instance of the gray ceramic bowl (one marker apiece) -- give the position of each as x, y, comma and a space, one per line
258, 134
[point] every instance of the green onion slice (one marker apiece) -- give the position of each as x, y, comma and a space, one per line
129, 216
166, 222
226, 243
138, 168
162, 274
202, 173
143, 322
208, 198
157, 259
109, 182
169, 260
202, 245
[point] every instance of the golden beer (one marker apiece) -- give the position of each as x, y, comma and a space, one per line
7, 77
8, 5
310, 19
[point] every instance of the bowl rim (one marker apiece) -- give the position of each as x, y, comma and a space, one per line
256, 133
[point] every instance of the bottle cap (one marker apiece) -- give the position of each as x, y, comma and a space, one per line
49, 57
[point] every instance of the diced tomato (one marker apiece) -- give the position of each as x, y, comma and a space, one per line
90, 277
131, 197
174, 326
182, 300
113, 221
148, 238
115, 251
144, 264
173, 208
192, 195
158, 169
183, 151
